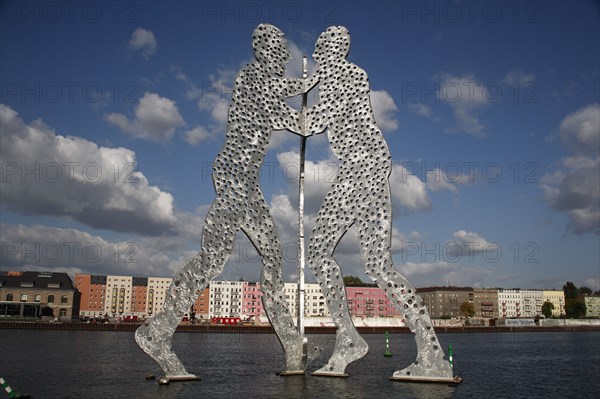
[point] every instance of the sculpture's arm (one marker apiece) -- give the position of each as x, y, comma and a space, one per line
294, 86
316, 118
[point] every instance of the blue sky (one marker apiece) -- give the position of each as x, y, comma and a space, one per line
113, 112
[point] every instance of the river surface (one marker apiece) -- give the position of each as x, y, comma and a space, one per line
102, 364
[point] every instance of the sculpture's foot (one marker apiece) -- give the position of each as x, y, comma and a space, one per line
159, 348
295, 357
347, 350
419, 371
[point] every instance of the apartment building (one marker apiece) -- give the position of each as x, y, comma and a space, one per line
443, 302
93, 294
557, 298
369, 302
485, 302
226, 299
510, 303
27, 294
592, 306
252, 305
156, 294
532, 301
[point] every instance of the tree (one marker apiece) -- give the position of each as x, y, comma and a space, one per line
547, 309
574, 308
585, 291
467, 309
352, 281
570, 290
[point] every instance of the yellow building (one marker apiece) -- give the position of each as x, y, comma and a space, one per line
557, 298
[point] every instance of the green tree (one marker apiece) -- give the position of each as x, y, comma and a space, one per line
574, 308
350, 281
467, 309
585, 291
547, 309
570, 290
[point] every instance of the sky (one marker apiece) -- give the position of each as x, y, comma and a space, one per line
112, 114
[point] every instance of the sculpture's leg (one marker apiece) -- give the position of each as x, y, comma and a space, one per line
374, 229
155, 336
329, 229
261, 231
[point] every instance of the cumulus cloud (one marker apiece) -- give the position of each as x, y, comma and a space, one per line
196, 135
466, 244
466, 96
70, 250
409, 193
443, 274
155, 119
44, 173
517, 78
580, 130
384, 110
420, 109
574, 188
439, 179
143, 40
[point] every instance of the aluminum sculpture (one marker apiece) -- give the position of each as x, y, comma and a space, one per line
359, 196
257, 108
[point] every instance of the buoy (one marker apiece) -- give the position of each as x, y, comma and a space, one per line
150, 376
12, 394
163, 381
387, 352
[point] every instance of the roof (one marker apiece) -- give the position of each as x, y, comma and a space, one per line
432, 289
39, 280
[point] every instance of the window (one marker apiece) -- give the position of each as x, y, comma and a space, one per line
38, 298
50, 298
9, 297
64, 299
62, 313
23, 297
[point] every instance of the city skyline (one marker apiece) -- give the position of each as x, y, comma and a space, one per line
489, 109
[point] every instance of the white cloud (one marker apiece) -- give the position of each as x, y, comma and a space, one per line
468, 244
580, 130
384, 110
466, 95
439, 179
575, 188
144, 41
156, 118
409, 193
76, 178
420, 109
196, 135
40, 247
517, 78
443, 274
593, 283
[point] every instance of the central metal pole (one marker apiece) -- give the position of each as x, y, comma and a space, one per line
301, 212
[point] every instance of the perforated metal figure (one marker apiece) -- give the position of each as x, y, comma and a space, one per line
360, 196
257, 107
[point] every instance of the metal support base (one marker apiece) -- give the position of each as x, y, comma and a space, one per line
183, 377
329, 374
288, 373
409, 378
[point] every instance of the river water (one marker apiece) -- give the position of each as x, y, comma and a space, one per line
101, 364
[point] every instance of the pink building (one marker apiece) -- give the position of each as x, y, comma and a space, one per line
369, 302
251, 300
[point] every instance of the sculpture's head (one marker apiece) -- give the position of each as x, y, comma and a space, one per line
333, 43
270, 48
